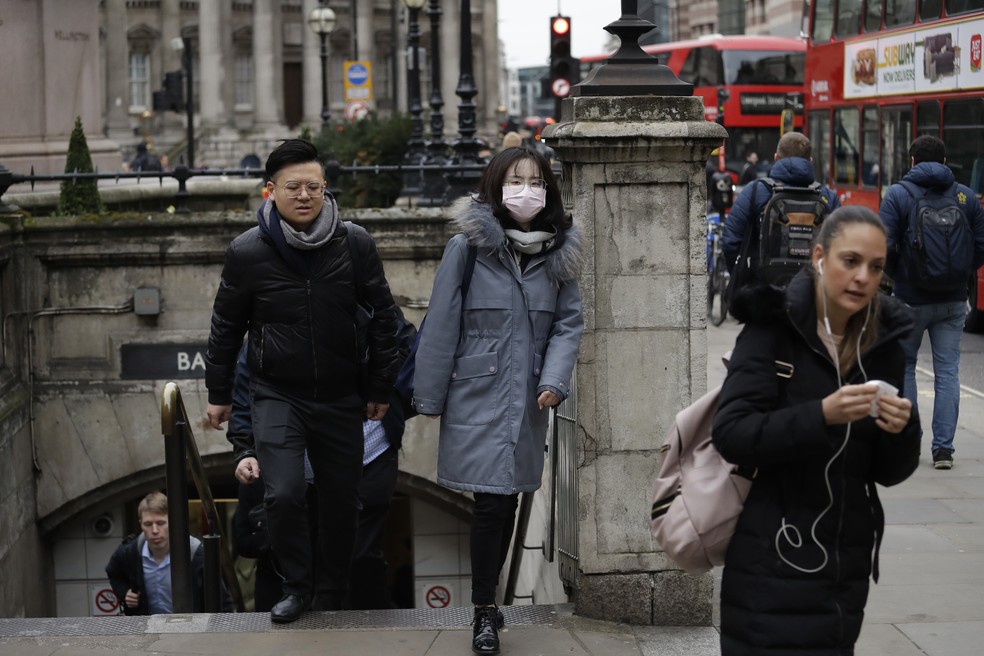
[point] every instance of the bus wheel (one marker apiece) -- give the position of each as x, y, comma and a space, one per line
974, 323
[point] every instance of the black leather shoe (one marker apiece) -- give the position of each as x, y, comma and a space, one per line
485, 637
288, 609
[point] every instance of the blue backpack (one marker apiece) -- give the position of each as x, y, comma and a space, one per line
404, 379
938, 248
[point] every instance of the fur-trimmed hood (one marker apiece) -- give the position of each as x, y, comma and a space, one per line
483, 230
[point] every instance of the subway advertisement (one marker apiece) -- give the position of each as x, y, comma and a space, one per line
933, 60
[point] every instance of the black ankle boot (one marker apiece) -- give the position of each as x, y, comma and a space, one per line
485, 637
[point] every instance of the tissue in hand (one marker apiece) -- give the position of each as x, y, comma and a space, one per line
883, 389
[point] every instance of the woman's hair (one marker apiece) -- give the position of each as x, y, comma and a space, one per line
490, 189
863, 324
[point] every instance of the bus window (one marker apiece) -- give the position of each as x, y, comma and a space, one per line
688, 72
873, 16
896, 135
823, 20
899, 12
763, 67
846, 128
819, 124
964, 141
961, 6
848, 18
928, 118
930, 9
708, 68
869, 147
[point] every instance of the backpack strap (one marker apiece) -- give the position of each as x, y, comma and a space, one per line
466, 275
356, 267
915, 191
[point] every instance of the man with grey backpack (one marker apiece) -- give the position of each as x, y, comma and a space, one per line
935, 244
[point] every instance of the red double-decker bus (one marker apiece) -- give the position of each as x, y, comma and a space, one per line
758, 73
880, 73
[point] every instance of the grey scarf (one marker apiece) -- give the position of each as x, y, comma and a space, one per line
532, 242
320, 231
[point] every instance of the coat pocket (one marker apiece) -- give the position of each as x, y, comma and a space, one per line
473, 389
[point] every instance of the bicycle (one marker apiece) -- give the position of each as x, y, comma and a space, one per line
717, 271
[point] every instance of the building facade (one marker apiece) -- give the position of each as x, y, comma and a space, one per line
689, 20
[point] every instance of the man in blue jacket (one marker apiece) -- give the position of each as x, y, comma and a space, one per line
941, 314
793, 167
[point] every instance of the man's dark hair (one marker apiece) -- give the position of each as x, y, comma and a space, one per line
927, 149
291, 151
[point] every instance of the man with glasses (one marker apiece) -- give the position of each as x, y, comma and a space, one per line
295, 283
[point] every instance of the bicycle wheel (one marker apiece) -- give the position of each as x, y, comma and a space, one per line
717, 303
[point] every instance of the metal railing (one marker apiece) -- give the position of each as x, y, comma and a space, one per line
180, 455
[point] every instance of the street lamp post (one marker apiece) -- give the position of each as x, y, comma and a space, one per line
322, 22
435, 184
466, 147
415, 146
182, 44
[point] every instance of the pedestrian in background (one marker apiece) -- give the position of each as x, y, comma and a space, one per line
938, 310
796, 409
491, 366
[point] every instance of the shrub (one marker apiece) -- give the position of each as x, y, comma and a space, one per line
368, 142
79, 196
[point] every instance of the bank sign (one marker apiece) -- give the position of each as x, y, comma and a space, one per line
162, 361
941, 58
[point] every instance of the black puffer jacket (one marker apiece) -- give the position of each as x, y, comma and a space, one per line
776, 424
302, 336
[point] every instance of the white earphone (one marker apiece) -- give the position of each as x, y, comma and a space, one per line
820, 266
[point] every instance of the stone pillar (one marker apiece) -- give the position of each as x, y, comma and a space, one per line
634, 175
117, 61
312, 71
211, 64
266, 90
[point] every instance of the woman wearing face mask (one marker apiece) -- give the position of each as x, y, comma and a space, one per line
492, 366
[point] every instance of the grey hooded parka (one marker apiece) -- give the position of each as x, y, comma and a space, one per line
482, 367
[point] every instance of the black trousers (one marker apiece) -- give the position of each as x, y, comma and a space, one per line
331, 431
370, 588
491, 531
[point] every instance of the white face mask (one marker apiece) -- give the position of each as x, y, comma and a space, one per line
523, 202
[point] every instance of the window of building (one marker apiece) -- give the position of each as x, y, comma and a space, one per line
848, 18
869, 147
896, 134
818, 122
846, 155
964, 141
139, 72
244, 80
928, 118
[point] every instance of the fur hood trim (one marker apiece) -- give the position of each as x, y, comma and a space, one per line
483, 230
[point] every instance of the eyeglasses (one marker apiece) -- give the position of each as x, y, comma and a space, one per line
534, 183
314, 189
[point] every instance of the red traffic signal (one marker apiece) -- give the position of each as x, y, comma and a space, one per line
560, 25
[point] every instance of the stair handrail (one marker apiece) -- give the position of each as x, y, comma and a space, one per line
181, 451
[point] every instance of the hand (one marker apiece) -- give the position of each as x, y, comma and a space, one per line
218, 414
132, 599
248, 471
893, 413
849, 403
547, 400
376, 411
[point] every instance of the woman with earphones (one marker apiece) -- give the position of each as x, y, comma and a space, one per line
498, 351
797, 406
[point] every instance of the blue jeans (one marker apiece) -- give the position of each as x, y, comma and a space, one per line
944, 322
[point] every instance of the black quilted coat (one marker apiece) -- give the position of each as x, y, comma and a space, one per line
302, 335
776, 424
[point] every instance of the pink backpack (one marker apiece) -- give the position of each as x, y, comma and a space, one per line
698, 495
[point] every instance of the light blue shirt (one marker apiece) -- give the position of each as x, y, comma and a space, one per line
376, 442
157, 582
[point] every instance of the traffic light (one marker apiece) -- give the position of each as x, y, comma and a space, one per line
565, 70
171, 98
723, 96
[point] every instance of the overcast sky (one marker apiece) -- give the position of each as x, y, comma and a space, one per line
524, 28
